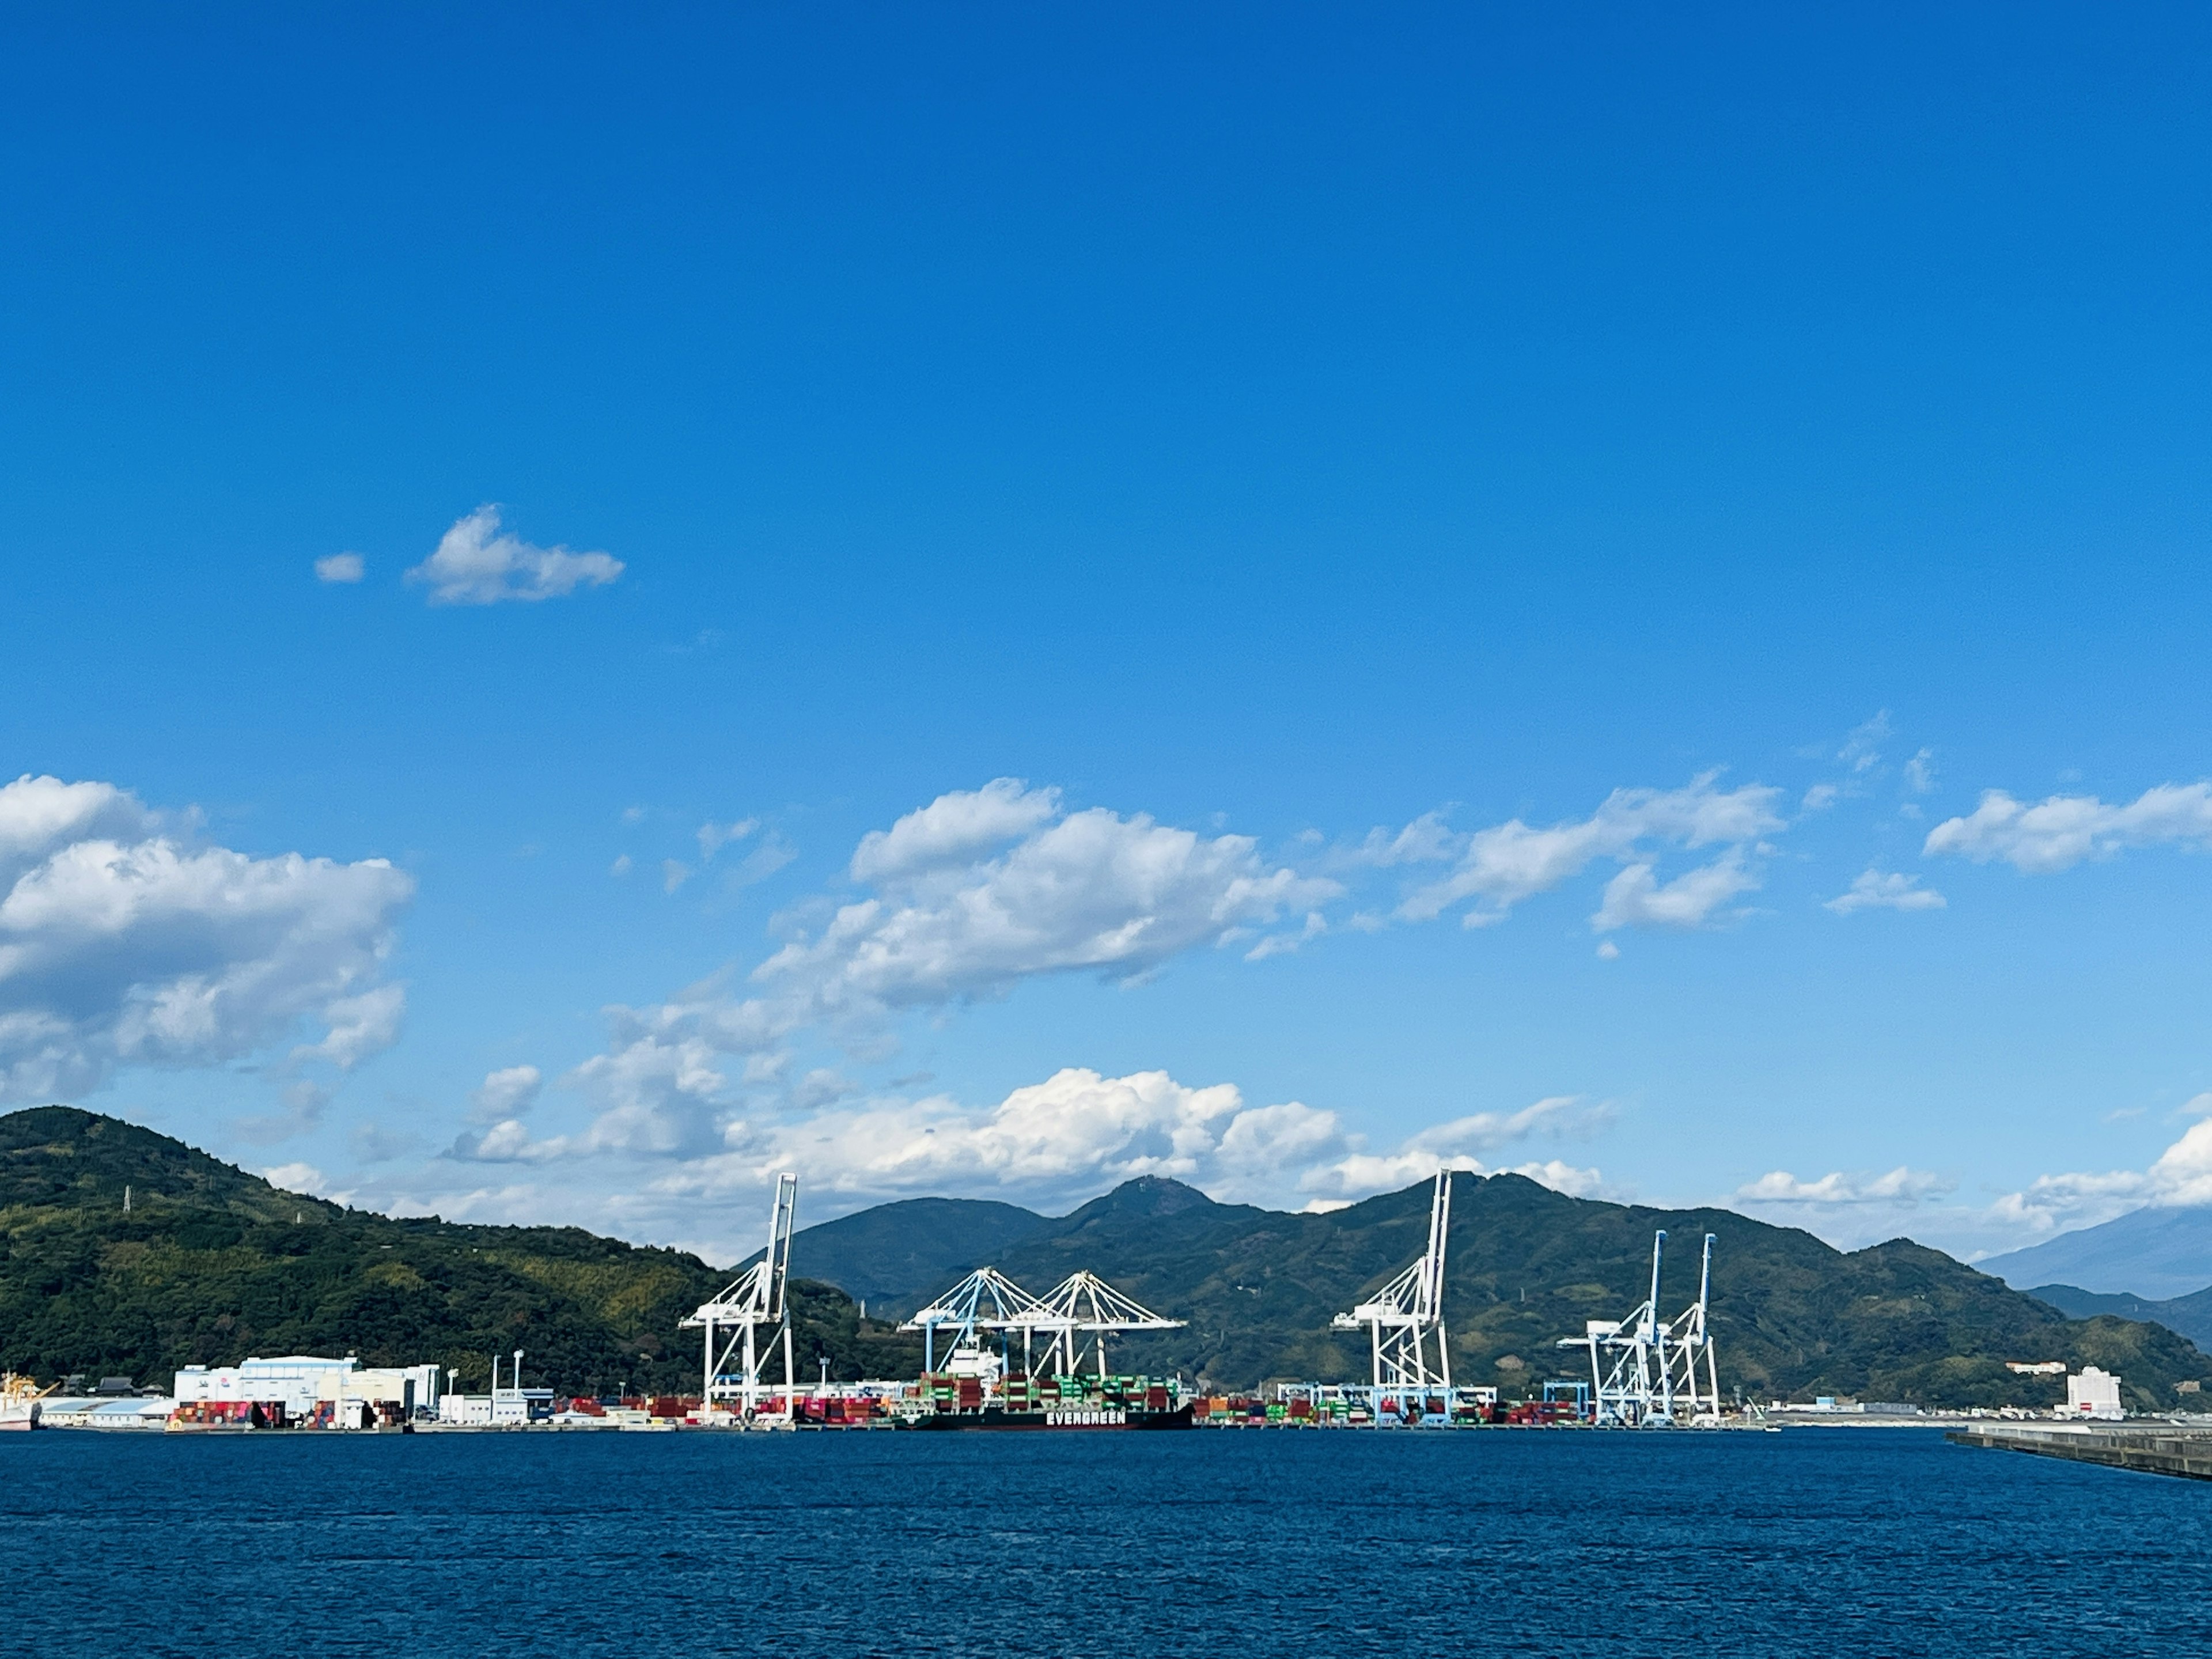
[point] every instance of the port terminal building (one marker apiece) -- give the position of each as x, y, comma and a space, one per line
306, 1387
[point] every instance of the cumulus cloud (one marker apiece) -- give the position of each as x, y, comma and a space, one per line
340, 568
296, 1178
359, 1026
1900, 1186
125, 943
477, 563
954, 829
1636, 898
1873, 890
1458, 1145
1077, 1131
510, 1091
1503, 865
2181, 1177
1090, 891
2060, 832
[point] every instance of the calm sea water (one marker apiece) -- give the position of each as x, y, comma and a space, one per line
1229, 1545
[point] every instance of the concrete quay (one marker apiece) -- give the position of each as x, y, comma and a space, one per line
2151, 1448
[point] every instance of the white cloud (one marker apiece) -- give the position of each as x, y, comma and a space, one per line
296, 1178
1077, 1132
1283, 945
1501, 866
954, 829
507, 1141
620, 867
1088, 893
359, 1026
714, 837
1872, 889
2061, 831
1819, 797
1920, 771
2181, 1178
1456, 1145
1861, 749
509, 1092
340, 568
674, 875
1901, 1186
477, 563
1634, 898
1607, 950
122, 944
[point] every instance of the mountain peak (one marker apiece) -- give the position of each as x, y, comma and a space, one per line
1148, 1195
60, 1155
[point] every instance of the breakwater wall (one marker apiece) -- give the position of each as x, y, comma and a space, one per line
2150, 1447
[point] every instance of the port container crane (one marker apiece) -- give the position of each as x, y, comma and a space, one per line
1405, 1319
752, 1314
987, 1300
1086, 1305
1646, 1370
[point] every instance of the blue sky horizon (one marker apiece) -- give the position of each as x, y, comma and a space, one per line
981, 603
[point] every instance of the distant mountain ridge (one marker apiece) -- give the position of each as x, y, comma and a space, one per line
209, 1263
1793, 1315
2156, 1254
881, 1254
2189, 1316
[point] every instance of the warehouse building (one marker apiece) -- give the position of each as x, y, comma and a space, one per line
307, 1387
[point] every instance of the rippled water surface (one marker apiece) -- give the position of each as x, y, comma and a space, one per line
1222, 1544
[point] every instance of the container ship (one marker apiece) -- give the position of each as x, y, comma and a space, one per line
952, 1402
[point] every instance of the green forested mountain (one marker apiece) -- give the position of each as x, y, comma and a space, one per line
1794, 1316
2191, 1315
210, 1264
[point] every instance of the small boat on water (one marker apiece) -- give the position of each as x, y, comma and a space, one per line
19, 1402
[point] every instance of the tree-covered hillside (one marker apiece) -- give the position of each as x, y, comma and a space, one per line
210, 1265
1793, 1317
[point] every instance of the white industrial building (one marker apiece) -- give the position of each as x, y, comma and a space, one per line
502, 1408
2094, 1394
302, 1382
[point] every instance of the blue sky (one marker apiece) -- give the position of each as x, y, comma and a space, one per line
1349, 439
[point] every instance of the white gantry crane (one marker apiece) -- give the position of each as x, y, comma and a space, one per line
1407, 1314
1689, 1349
1647, 1372
1085, 1307
953, 1324
748, 1317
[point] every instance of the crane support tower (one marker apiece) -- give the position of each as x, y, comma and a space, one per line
953, 1325
1407, 1314
1090, 1307
1650, 1373
751, 1315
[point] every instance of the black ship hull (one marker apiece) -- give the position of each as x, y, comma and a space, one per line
1072, 1417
